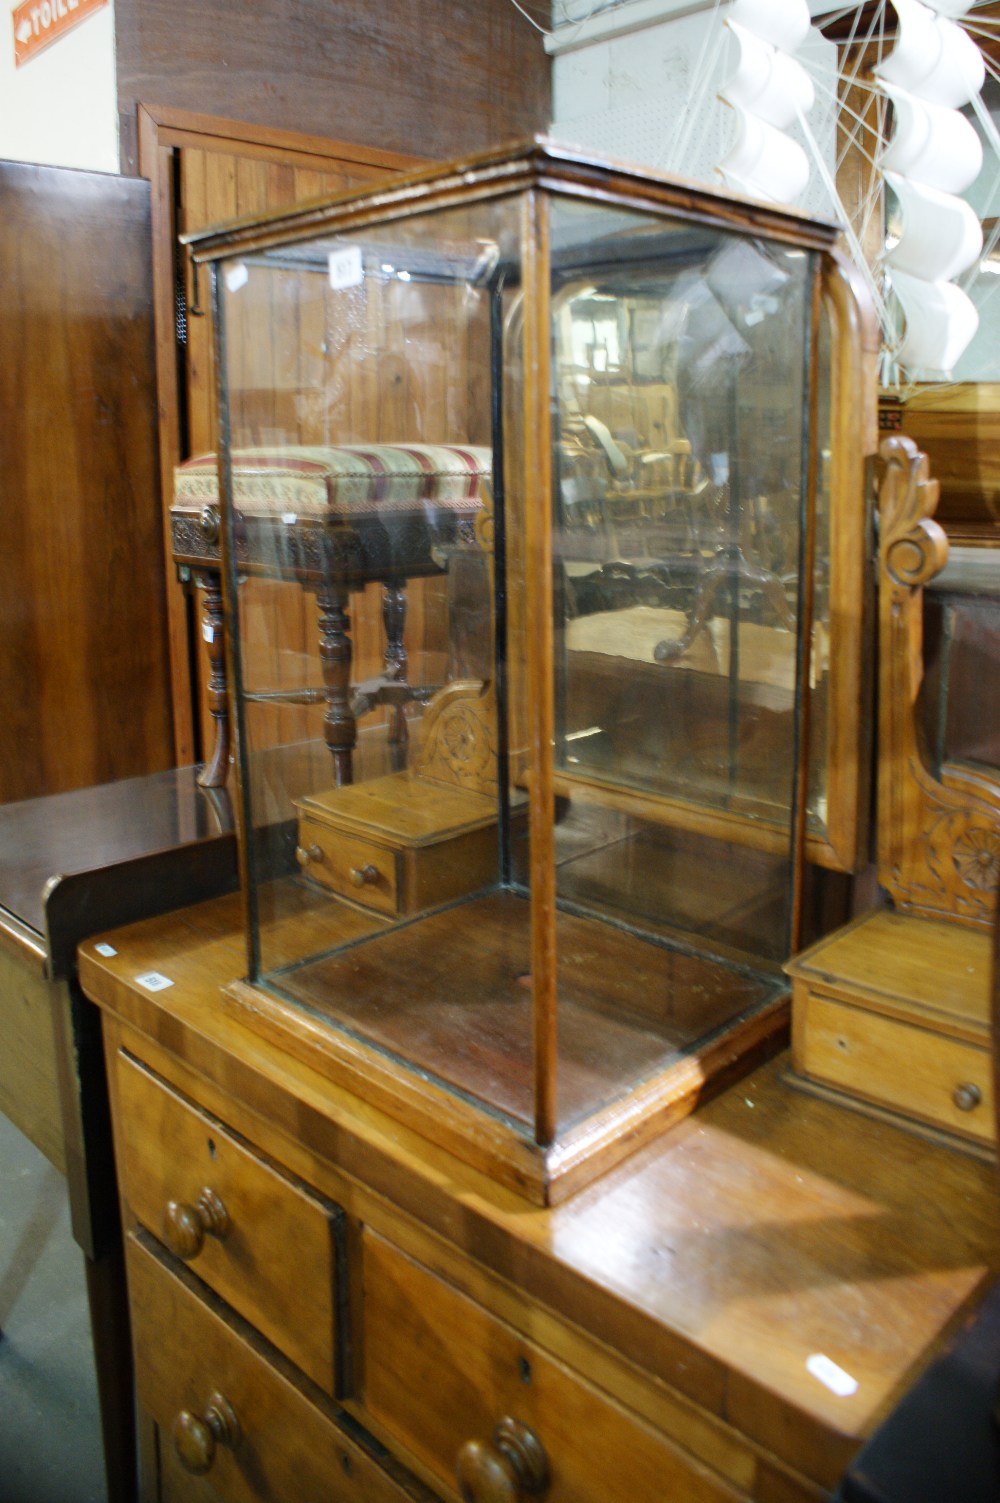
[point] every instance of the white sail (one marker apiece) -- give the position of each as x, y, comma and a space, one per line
764, 163
767, 90
933, 57
933, 70
917, 46
931, 144
952, 8
941, 234
767, 82
940, 322
783, 23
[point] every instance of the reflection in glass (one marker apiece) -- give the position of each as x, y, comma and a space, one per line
378, 390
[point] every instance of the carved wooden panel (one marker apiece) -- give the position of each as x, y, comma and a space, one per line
938, 839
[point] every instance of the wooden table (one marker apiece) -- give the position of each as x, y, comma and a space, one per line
69, 864
674, 1329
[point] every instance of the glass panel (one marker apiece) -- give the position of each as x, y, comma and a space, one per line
360, 381
960, 692
680, 370
386, 625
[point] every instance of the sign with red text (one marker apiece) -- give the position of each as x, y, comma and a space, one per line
38, 23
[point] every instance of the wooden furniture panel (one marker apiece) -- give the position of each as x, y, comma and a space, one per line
282, 1445
940, 1442
234, 1219
29, 1094
937, 836
442, 1374
958, 427
438, 79
84, 675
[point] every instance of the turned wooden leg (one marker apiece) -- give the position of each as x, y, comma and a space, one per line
396, 664
216, 770
340, 729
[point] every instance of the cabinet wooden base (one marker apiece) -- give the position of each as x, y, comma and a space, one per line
634, 1056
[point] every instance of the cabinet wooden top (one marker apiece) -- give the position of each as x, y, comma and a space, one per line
539, 162
766, 1231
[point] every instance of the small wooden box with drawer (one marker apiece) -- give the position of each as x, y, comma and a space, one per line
399, 844
893, 1011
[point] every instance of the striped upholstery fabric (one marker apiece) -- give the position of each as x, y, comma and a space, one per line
351, 481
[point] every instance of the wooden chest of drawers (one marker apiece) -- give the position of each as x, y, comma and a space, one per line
281, 1342
325, 1307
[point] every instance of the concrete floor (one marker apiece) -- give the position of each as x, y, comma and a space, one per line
50, 1445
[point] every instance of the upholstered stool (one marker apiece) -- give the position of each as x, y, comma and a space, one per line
336, 518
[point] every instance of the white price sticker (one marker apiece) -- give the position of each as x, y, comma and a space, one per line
153, 981
237, 276
103, 949
832, 1376
208, 632
345, 266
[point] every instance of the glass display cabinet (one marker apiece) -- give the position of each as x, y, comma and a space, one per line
542, 536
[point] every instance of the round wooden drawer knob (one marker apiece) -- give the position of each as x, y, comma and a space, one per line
513, 1466
967, 1097
185, 1226
197, 1436
364, 876
306, 853
209, 524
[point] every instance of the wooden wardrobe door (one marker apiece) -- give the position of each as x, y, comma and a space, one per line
84, 683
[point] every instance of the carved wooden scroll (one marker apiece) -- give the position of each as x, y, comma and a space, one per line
938, 840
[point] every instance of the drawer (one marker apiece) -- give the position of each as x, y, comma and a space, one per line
349, 864
463, 1391
916, 1071
270, 1442
271, 1248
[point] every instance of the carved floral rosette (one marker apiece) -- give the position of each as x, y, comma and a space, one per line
458, 737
